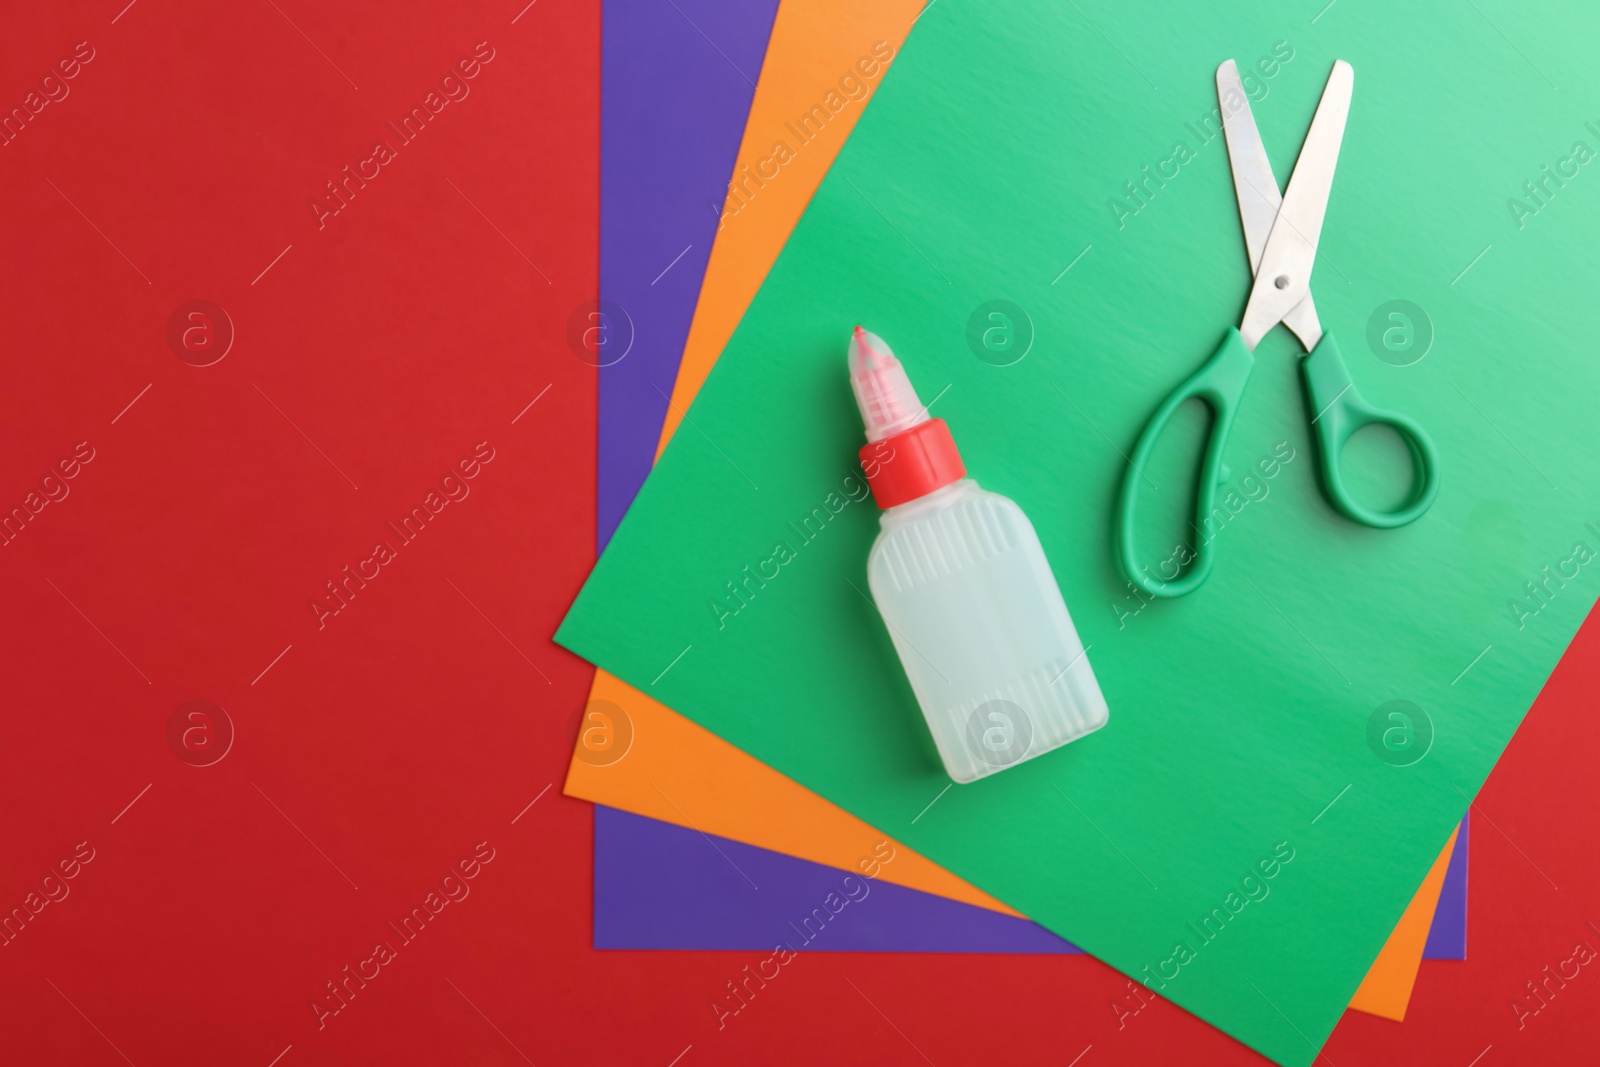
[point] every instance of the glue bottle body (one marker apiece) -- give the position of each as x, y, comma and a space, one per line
982, 630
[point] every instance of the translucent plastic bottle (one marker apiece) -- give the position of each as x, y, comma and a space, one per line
965, 589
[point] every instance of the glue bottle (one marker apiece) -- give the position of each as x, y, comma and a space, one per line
963, 585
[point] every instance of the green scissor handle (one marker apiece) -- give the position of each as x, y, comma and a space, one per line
1220, 383
1338, 412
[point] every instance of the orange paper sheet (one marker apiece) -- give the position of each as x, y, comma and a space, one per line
818, 49
671, 769
679, 772
1387, 988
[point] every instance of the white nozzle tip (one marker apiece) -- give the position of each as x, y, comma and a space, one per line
869, 352
883, 392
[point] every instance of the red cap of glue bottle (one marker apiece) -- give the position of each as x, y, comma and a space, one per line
924, 454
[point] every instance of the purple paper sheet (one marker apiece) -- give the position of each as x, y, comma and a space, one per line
1447, 937
660, 886
652, 890
677, 81
677, 77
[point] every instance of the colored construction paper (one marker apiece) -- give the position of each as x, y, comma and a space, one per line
675, 91
1447, 937
794, 444
1386, 990
810, 44
409, 736
708, 903
1532, 891
676, 772
825, 60
407, 730
244, 348
665, 766
651, 899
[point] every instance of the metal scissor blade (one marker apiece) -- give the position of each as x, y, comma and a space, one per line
1283, 277
1254, 185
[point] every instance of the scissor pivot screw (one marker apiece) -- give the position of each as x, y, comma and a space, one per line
1281, 281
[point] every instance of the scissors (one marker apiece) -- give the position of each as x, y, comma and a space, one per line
1280, 233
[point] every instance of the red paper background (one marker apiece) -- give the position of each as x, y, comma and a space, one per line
379, 750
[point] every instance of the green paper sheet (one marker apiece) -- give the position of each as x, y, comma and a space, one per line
1238, 836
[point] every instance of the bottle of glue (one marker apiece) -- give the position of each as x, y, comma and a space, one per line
963, 584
